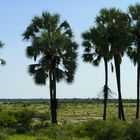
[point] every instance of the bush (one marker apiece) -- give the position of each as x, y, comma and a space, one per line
43, 118
24, 120
133, 130
3, 136
111, 130
101, 130
6, 119
92, 130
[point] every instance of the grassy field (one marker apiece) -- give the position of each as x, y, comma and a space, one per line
75, 121
76, 112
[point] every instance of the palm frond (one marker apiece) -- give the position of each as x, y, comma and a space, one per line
69, 76
87, 44
134, 11
95, 63
112, 68
87, 57
3, 62
29, 33
1, 44
37, 23
30, 52
64, 25
86, 35
40, 77
52, 46
32, 68
59, 74
68, 33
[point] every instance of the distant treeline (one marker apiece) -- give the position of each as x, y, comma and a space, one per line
65, 100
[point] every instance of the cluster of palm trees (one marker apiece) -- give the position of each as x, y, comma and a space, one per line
55, 52
108, 39
115, 33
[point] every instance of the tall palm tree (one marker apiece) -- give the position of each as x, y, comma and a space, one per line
55, 51
96, 47
134, 51
117, 26
3, 62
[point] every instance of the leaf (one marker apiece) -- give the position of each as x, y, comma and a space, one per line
112, 67
1, 44
3, 62
52, 48
64, 25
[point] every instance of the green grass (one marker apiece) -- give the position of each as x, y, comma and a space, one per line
76, 121
76, 112
90, 130
25, 137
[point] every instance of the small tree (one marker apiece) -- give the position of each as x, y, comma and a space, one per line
52, 43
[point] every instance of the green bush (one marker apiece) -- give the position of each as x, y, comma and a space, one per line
101, 130
6, 119
133, 130
90, 130
3, 136
111, 130
43, 118
24, 120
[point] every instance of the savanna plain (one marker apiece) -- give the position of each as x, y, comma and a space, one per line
76, 121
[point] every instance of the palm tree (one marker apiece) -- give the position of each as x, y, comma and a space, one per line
117, 26
96, 47
55, 51
3, 62
134, 51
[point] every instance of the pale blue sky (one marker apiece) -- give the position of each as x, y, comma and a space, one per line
15, 16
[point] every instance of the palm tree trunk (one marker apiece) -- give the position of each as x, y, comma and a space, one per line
54, 99
120, 103
52, 105
105, 89
138, 83
51, 95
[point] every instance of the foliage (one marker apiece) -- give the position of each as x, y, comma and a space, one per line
133, 130
91, 130
2, 61
54, 51
3, 136
6, 118
24, 120
52, 43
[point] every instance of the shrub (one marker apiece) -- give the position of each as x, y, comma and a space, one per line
3, 136
101, 130
6, 119
24, 120
111, 130
43, 118
133, 130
